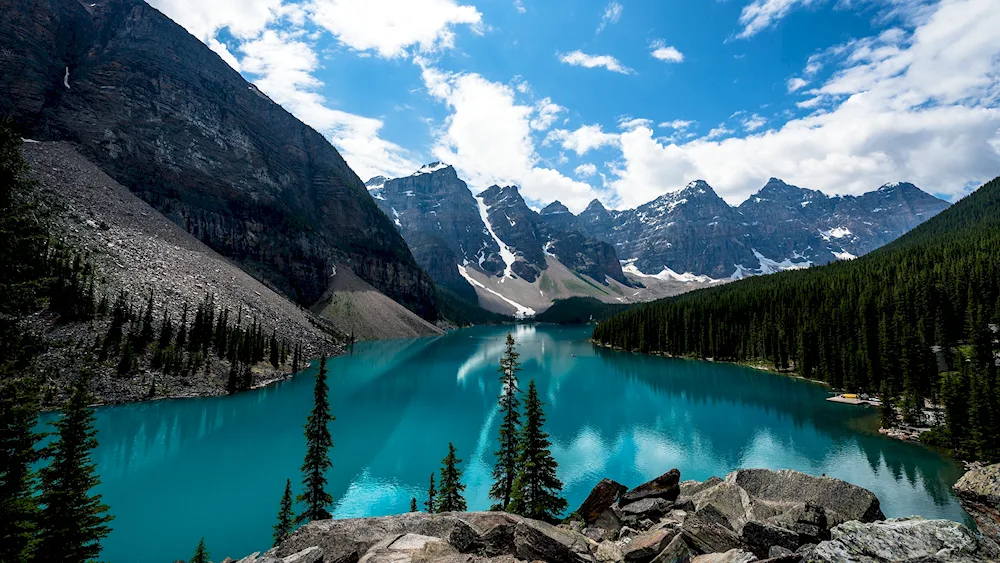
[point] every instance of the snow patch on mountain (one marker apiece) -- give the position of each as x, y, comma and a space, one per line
629, 267
844, 255
522, 311
768, 266
505, 253
430, 168
836, 232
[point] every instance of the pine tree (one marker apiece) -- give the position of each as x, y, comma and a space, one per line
431, 504
536, 489
317, 460
275, 352
413, 504
73, 521
450, 497
285, 518
19, 509
200, 553
296, 358
887, 408
506, 466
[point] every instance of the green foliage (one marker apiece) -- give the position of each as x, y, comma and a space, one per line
413, 504
200, 553
73, 520
536, 488
450, 498
317, 460
579, 310
431, 504
864, 325
19, 510
462, 312
505, 469
283, 528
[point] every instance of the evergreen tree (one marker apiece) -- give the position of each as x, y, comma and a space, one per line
413, 504
200, 553
285, 518
450, 496
536, 489
506, 466
275, 351
317, 460
296, 358
19, 510
887, 408
73, 521
431, 504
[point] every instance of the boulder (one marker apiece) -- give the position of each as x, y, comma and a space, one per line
609, 522
787, 487
498, 540
666, 486
978, 492
778, 551
535, 540
601, 497
899, 539
645, 547
691, 488
710, 513
707, 535
676, 551
728, 499
762, 537
646, 509
731, 556
808, 520
308, 555
609, 552
465, 538
404, 549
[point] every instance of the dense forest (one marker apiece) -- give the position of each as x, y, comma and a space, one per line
579, 310
915, 322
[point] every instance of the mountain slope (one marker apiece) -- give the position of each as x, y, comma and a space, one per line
166, 117
866, 325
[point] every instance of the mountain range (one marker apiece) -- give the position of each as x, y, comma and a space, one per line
493, 247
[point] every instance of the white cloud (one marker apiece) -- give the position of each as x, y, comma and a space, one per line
579, 58
677, 124
389, 27
627, 122
753, 122
762, 14
796, 83
545, 113
917, 106
583, 139
488, 138
284, 65
585, 170
719, 132
665, 52
519, 6
612, 13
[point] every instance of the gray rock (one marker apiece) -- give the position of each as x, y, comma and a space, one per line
691, 488
499, 540
609, 522
710, 513
645, 547
308, 555
704, 533
465, 538
651, 508
731, 556
808, 520
778, 551
676, 551
601, 497
539, 541
762, 537
728, 499
596, 534
978, 492
898, 539
786, 487
609, 552
666, 486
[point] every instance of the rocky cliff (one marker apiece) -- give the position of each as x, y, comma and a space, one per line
751, 515
166, 117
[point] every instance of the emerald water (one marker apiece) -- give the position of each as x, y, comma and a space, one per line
174, 471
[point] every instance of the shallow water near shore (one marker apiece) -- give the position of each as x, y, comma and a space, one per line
177, 470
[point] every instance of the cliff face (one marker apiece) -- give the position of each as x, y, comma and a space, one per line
166, 117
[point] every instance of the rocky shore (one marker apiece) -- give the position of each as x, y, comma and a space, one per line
751, 515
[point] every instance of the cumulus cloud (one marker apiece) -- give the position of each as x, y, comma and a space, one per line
628, 122
914, 105
488, 137
612, 13
664, 52
389, 27
579, 58
763, 14
677, 124
546, 113
284, 65
582, 140
796, 83
753, 122
585, 170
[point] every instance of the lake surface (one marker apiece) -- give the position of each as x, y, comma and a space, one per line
174, 471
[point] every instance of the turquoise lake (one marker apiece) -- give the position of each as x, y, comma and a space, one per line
174, 471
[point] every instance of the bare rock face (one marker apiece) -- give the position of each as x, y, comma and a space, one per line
163, 115
842, 500
900, 539
601, 497
978, 492
666, 486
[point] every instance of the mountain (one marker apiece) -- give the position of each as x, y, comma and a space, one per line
162, 114
492, 248
695, 232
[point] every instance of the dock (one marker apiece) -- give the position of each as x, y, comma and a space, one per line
852, 399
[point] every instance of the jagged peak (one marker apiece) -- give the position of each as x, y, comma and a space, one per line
555, 208
693, 189
595, 206
376, 182
432, 168
894, 185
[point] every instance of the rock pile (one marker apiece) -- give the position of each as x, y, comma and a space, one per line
751, 515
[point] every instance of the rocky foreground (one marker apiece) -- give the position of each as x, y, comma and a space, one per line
751, 515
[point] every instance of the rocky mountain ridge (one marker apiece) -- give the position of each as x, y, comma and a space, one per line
162, 114
751, 515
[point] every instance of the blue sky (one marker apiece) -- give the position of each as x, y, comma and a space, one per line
628, 99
